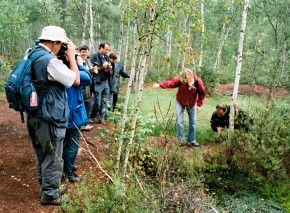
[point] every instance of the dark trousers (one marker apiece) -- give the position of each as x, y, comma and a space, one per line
114, 100
101, 100
70, 150
47, 142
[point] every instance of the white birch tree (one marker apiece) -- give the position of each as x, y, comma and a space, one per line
202, 34
239, 65
92, 43
120, 39
127, 96
146, 48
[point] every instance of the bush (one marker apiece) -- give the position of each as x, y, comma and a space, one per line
209, 77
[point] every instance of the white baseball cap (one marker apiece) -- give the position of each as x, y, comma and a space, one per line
53, 33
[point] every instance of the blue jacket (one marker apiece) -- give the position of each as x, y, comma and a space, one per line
75, 100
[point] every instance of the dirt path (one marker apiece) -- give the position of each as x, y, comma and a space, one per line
19, 189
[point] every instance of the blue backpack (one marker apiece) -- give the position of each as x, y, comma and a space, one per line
20, 91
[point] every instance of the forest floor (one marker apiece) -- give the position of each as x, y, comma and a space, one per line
19, 189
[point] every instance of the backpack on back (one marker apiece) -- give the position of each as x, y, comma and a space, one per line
20, 91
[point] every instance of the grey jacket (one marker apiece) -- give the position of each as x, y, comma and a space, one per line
118, 70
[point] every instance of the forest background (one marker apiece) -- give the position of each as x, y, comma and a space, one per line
155, 39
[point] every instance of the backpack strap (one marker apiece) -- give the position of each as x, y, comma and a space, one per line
36, 53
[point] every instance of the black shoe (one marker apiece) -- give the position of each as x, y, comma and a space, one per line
55, 202
63, 177
73, 177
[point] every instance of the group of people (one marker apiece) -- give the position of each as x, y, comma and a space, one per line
66, 79
102, 94
190, 96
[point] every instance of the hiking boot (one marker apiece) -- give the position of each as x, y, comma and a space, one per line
63, 177
93, 120
195, 144
103, 122
73, 177
55, 202
61, 191
86, 128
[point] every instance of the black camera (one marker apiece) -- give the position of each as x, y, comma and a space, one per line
96, 64
61, 54
62, 49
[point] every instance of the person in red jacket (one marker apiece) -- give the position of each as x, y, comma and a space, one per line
190, 96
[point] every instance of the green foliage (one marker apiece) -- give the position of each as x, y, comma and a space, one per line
92, 196
264, 151
247, 201
210, 78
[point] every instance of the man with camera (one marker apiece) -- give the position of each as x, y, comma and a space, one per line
102, 88
47, 127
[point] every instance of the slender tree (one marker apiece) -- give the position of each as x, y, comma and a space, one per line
146, 48
202, 34
239, 64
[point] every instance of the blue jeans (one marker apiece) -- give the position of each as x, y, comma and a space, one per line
191, 137
102, 95
70, 150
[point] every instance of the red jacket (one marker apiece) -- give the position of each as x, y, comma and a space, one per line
186, 97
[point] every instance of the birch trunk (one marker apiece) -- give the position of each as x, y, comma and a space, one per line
239, 66
183, 33
85, 22
99, 28
224, 36
121, 29
127, 96
169, 52
202, 35
127, 45
146, 48
92, 44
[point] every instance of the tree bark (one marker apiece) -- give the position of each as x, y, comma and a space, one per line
121, 29
92, 43
146, 48
127, 96
224, 36
239, 65
85, 23
202, 35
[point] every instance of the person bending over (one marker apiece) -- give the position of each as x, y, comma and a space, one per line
220, 119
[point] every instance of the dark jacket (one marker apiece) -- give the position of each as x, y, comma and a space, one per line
75, 100
118, 70
185, 96
53, 105
242, 120
97, 59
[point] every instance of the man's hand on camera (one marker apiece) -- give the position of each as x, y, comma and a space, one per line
94, 70
71, 50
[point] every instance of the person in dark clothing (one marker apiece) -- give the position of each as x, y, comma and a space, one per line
47, 127
114, 81
102, 88
220, 119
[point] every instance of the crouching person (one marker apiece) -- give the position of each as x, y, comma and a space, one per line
47, 126
220, 119
77, 118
